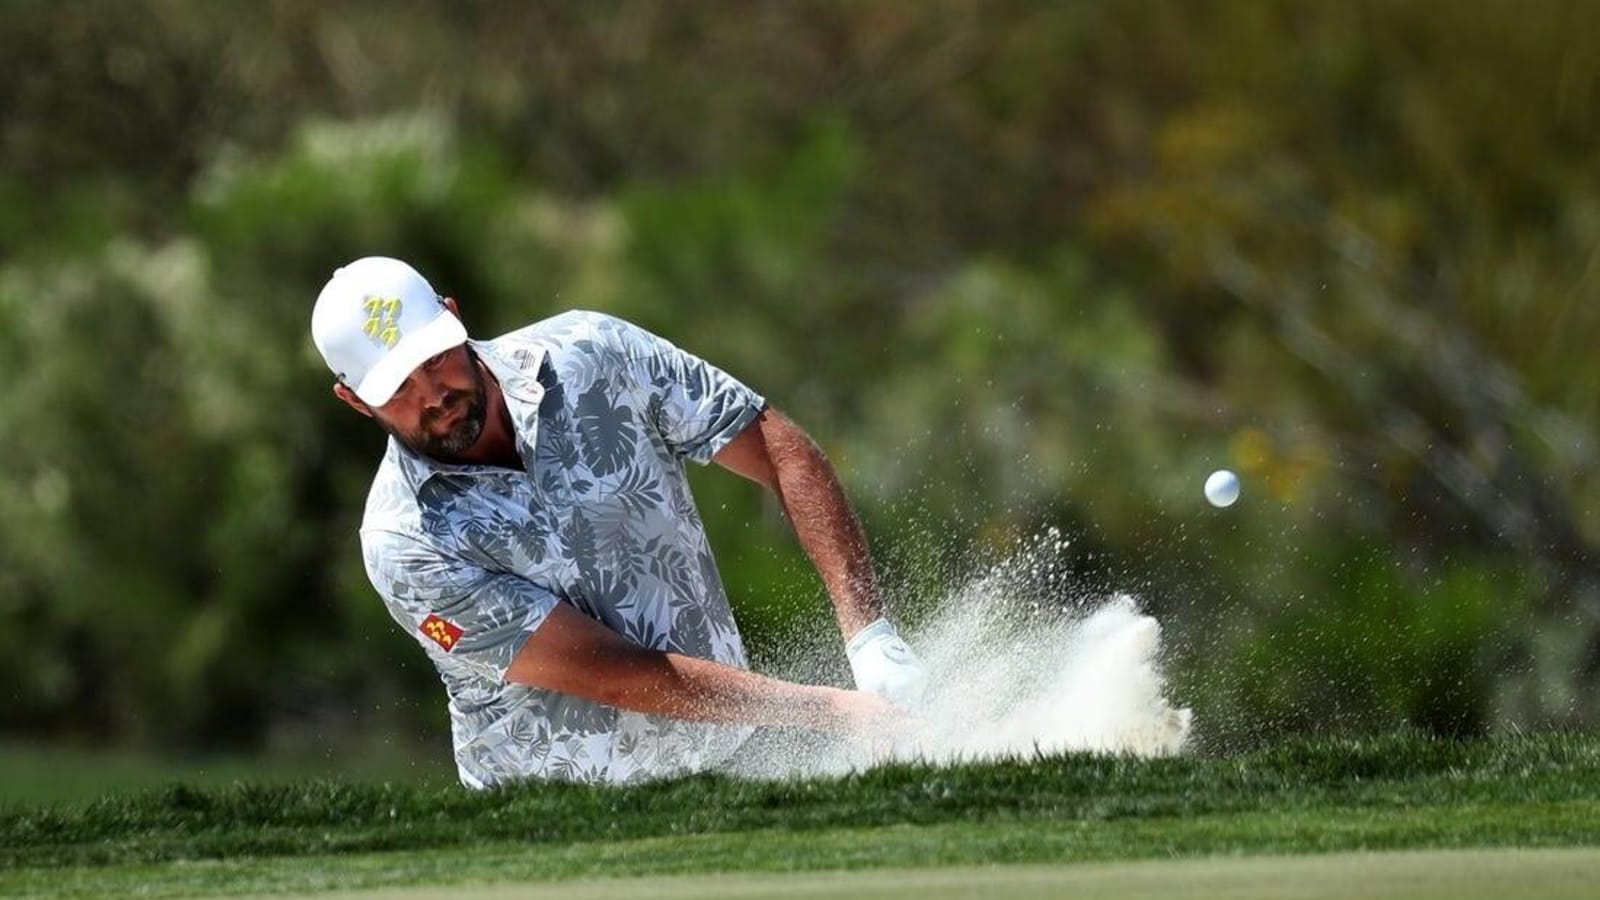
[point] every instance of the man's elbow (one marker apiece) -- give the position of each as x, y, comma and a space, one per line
788, 444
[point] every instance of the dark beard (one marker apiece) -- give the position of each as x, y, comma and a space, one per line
464, 433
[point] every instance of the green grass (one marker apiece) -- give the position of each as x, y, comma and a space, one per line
37, 775
1305, 796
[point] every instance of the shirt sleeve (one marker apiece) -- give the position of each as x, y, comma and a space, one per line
695, 406
467, 618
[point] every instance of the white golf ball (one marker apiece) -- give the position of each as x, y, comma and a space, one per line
1222, 488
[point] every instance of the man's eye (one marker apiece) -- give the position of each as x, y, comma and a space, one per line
434, 361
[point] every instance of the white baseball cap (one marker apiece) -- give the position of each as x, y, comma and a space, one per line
375, 321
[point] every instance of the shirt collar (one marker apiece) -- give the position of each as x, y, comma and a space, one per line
519, 384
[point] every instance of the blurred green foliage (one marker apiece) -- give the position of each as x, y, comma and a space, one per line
1013, 264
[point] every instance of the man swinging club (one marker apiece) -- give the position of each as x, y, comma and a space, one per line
531, 526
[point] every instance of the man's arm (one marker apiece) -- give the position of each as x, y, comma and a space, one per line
574, 654
777, 453
702, 414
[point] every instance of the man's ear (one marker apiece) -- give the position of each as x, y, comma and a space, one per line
450, 304
343, 392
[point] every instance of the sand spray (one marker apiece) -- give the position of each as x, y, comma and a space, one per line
1017, 670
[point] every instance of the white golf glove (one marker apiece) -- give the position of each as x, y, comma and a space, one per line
882, 664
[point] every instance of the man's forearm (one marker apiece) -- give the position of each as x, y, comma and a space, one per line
824, 522
684, 687
577, 655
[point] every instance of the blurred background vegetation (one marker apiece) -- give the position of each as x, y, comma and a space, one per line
1014, 264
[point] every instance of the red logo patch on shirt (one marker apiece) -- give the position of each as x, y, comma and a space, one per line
441, 631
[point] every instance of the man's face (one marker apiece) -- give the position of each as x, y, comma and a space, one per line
440, 409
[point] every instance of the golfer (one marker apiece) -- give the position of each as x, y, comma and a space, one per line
531, 526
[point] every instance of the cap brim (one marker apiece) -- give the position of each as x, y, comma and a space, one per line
443, 333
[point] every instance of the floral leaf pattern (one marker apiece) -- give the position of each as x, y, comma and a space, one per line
638, 490
607, 429
602, 519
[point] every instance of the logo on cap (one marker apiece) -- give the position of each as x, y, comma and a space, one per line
383, 320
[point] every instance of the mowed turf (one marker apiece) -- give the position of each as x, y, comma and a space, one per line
1305, 796
1411, 875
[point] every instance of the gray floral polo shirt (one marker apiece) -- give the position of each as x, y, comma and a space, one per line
470, 559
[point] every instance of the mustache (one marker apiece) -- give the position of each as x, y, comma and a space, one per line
451, 401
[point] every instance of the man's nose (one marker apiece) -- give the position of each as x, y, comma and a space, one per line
433, 396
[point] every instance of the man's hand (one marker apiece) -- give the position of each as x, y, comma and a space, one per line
862, 713
883, 664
